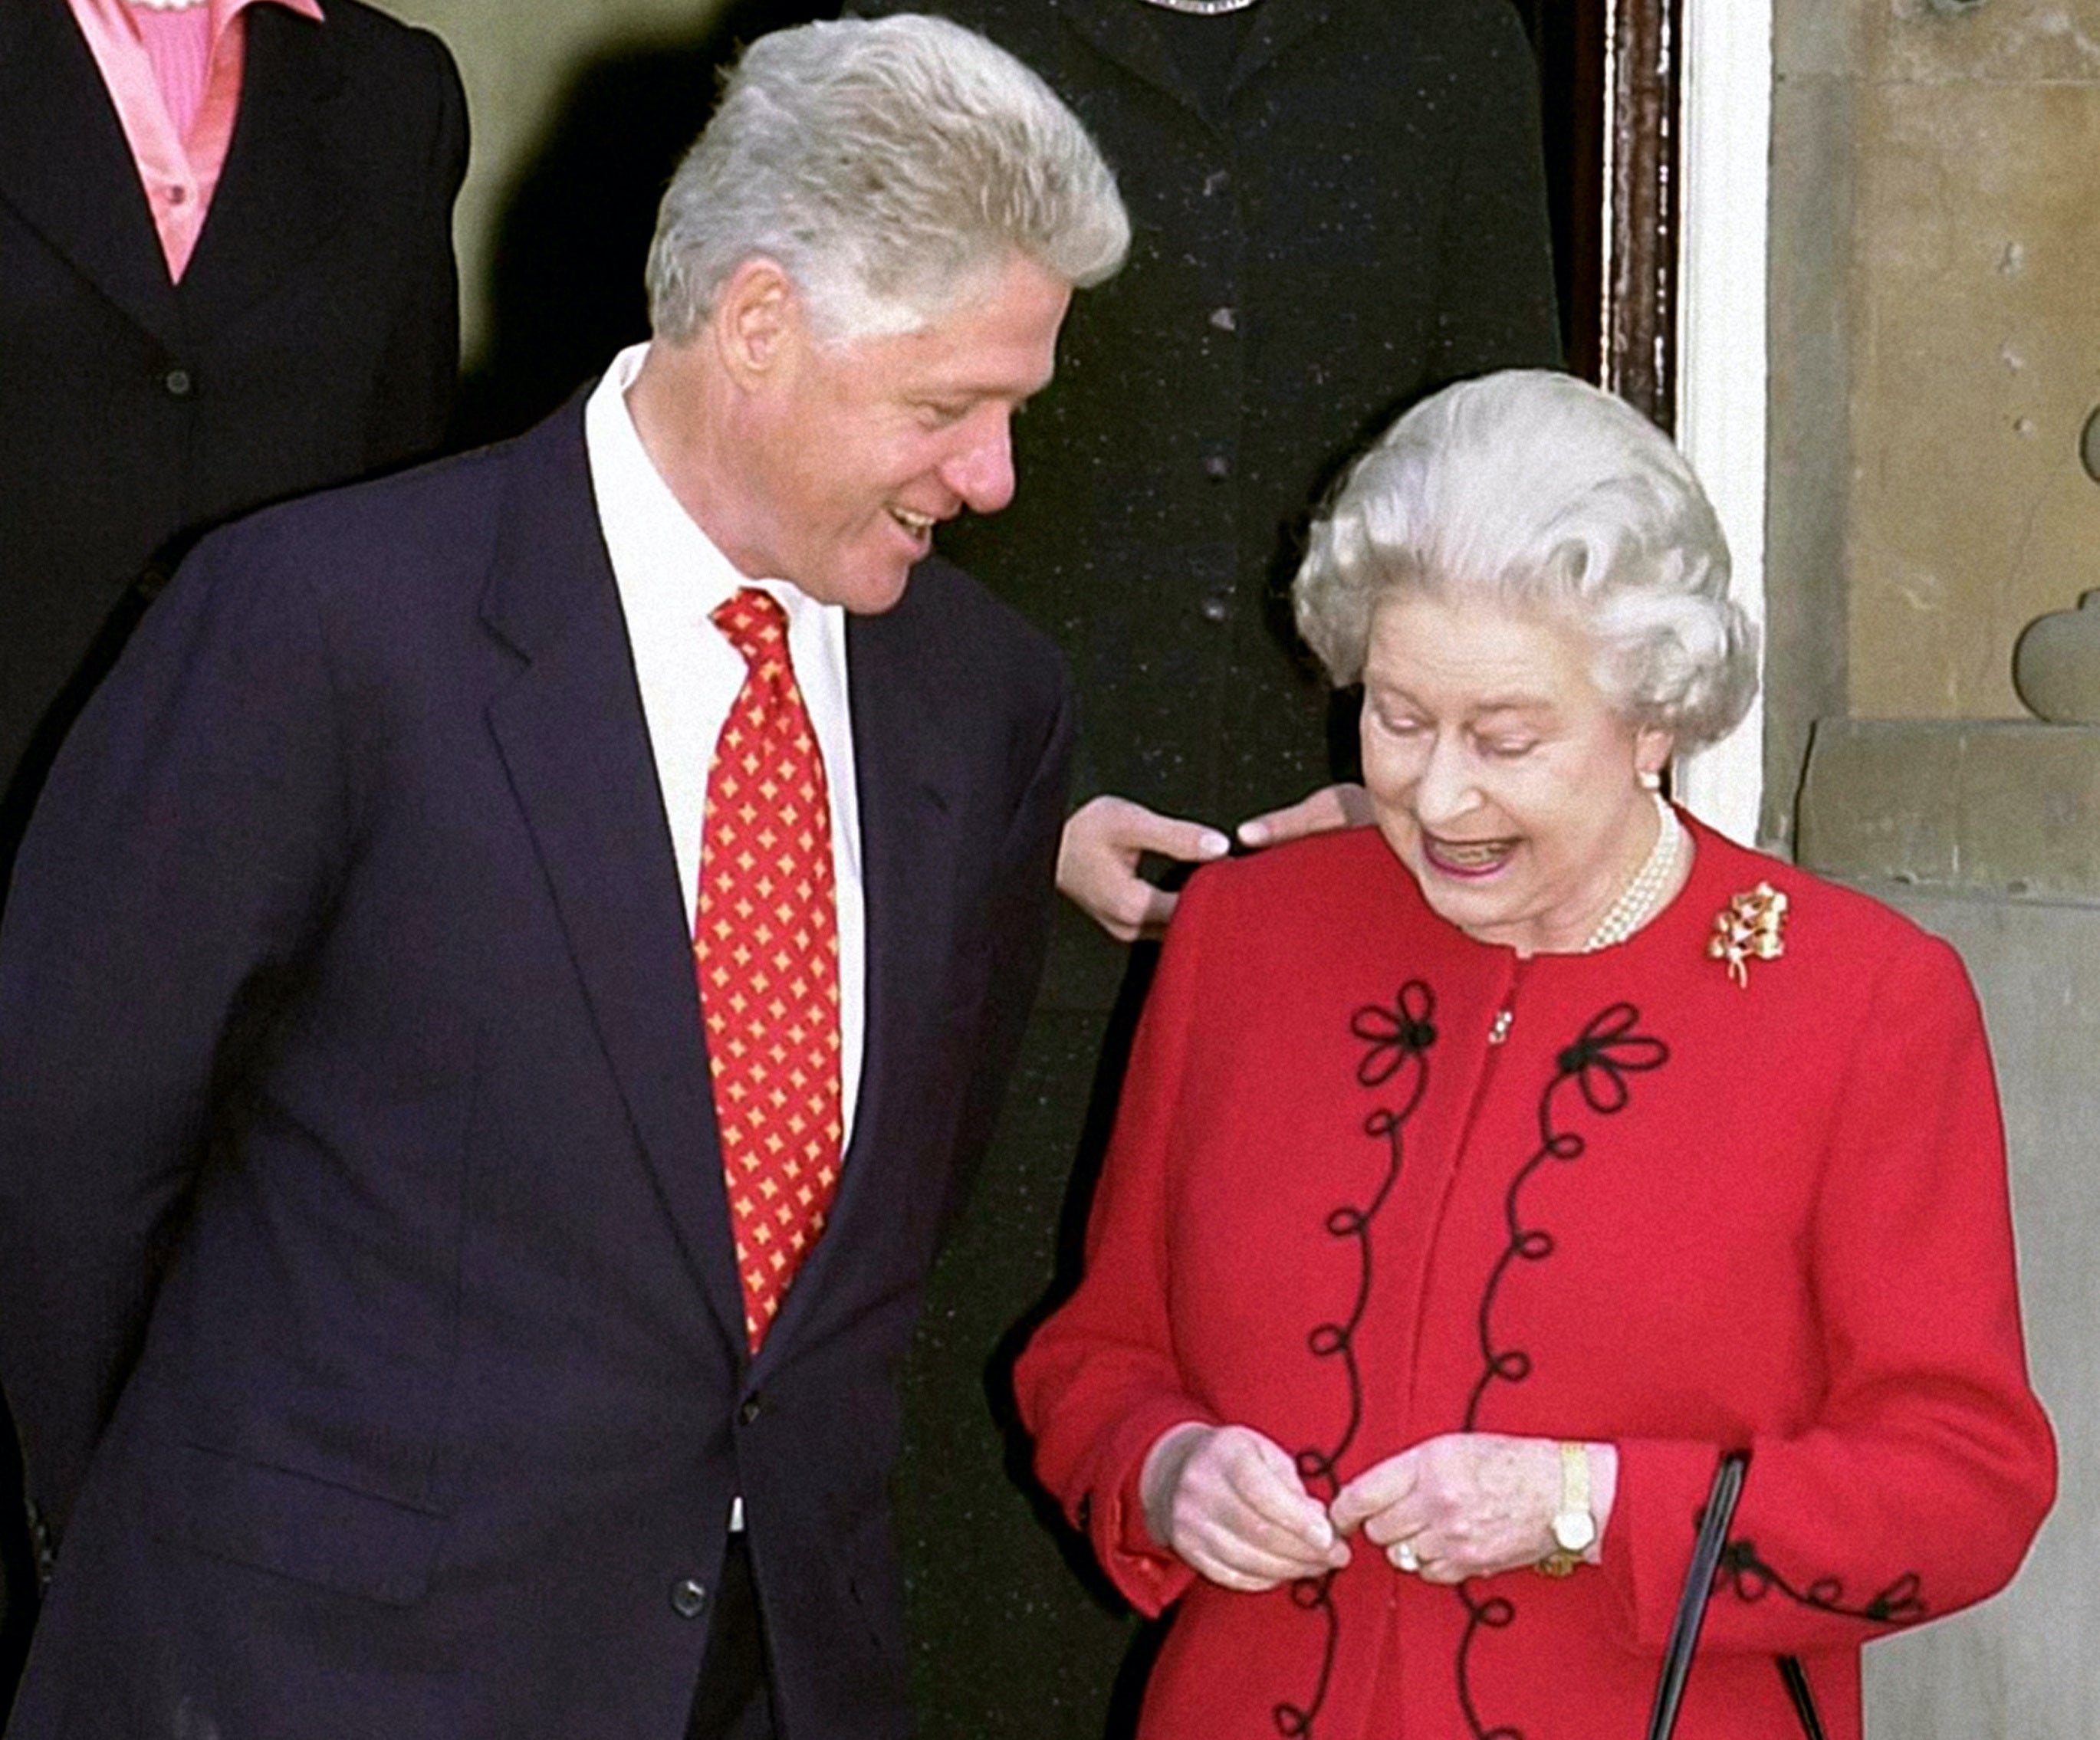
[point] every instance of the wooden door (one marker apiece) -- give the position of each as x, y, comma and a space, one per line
1611, 75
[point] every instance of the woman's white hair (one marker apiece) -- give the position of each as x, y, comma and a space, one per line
1533, 490
890, 167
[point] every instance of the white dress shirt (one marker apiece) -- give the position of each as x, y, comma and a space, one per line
670, 576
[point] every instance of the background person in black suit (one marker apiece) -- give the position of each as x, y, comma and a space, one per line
1337, 205
392, 1354
312, 335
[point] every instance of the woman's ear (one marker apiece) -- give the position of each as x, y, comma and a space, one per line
1652, 748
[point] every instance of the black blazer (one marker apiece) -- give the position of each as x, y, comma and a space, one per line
314, 338
346, 983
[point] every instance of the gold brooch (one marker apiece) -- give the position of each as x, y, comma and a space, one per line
1751, 925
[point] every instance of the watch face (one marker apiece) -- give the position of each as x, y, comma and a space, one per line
1573, 1530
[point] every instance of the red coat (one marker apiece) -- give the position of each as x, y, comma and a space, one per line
1666, 1211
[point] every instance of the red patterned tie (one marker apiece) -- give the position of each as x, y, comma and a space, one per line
765, 945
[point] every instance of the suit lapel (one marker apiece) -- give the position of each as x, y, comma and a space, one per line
1119, 30
66, 166
1277, 26
571, 734
281, 194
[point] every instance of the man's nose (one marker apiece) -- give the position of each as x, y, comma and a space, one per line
982, 470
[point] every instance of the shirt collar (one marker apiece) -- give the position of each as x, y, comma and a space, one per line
649, 535
221, 12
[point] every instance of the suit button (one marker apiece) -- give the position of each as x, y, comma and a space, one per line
178, 382
689, 1598
751, 1410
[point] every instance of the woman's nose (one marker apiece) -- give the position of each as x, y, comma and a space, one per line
1445, 790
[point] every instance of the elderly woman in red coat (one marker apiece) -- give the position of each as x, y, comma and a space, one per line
1483, 1176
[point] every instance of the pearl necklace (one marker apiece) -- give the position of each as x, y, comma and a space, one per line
1202, 8
1640, 900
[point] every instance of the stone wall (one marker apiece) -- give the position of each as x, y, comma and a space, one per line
1936, 339
1984, 833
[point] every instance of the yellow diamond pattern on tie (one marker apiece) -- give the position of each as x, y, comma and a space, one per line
765, 948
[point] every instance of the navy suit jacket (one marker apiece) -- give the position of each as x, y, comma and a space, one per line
367, 1295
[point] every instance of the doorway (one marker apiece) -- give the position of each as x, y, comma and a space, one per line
1610, 84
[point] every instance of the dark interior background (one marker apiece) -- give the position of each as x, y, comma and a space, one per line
565, 290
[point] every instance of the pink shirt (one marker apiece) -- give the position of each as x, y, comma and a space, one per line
174, 78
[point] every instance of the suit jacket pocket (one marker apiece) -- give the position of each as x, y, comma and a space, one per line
292, 1524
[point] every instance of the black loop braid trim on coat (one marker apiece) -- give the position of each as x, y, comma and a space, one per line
1398, 1036
1607, 1052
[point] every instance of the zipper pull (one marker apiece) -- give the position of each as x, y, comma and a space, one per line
1500, 1031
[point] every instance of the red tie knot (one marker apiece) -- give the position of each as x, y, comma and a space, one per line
754, 623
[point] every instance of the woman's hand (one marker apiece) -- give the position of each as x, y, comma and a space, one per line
1468, 1504
1228, 1502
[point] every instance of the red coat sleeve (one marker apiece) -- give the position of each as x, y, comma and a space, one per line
1099, 1383
1929, 1465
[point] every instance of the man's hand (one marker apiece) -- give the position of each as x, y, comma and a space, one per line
1097, 863
1228, 1502
1339, 806
1468, 1504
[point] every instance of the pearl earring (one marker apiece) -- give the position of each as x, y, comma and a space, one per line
1650, 780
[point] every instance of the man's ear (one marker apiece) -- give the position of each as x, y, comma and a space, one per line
757, 320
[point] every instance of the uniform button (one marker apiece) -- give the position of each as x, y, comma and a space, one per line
177, 195
1215, 607
179, 383
1225, 319
751, 1410
1215, 184
689, 1597
1218, 466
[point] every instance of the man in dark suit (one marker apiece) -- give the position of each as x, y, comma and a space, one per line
511, 973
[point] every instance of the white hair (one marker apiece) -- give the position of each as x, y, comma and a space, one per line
891, 167
1530, 490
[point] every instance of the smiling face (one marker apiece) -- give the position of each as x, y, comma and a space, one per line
846, 455
1499, 772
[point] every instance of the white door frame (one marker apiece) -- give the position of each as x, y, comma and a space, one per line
1723, 351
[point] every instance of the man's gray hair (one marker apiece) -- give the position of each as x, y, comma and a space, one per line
1534, 490
890, 167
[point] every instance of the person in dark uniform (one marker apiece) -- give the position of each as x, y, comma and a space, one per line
1338, 206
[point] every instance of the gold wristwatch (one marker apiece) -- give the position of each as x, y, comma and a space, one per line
1574, 1528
